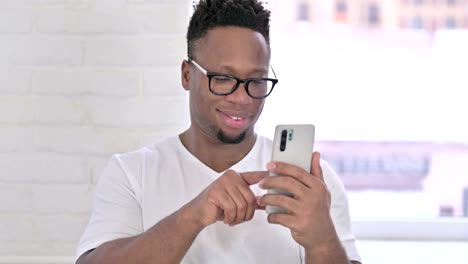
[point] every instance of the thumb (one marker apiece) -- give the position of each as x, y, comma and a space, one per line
253, 177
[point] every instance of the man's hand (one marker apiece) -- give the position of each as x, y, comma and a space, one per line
227, 199
309, 209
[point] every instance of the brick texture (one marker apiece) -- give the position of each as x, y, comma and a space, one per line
79, 81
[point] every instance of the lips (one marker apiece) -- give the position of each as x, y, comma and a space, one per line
235, 119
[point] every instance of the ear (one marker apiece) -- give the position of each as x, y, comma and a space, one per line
185, 74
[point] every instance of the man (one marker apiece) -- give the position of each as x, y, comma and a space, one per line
195, 198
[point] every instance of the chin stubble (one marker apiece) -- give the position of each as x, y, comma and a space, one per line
230, 140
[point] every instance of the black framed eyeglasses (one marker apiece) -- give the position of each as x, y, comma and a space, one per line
225, 84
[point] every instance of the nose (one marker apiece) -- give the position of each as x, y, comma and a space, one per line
240, 96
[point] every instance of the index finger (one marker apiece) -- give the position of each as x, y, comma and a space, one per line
303, 176
253, 177
315, 168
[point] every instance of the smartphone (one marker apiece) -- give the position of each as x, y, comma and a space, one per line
293, 144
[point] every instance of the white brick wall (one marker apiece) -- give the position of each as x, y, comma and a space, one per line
79, 81
40, 50
112, 82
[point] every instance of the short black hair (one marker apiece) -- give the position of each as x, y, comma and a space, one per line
213, 13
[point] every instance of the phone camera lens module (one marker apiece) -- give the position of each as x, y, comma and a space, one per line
284, 134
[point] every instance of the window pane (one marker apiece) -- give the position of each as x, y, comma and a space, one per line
384, 83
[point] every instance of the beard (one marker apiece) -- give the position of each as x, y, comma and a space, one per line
230, 140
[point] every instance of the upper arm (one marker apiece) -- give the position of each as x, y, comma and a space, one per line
339, 211
116, 210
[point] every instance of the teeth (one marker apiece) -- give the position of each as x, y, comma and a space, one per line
236, 118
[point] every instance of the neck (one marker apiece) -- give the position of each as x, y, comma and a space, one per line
213, 153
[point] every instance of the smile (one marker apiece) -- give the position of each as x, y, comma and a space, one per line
235, 120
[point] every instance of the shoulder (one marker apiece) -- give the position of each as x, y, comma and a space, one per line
264, 143
132, 164
163, 144
333, 182
263, 148
147, 153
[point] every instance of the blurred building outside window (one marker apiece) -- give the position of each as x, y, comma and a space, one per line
341, 10
373, 14
303, 11
418, 22
450, 23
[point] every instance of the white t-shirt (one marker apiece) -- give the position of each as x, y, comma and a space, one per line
138, 189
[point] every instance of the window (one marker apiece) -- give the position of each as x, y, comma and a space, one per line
388, 106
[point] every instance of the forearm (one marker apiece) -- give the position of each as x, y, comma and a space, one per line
166, 242
332, 253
